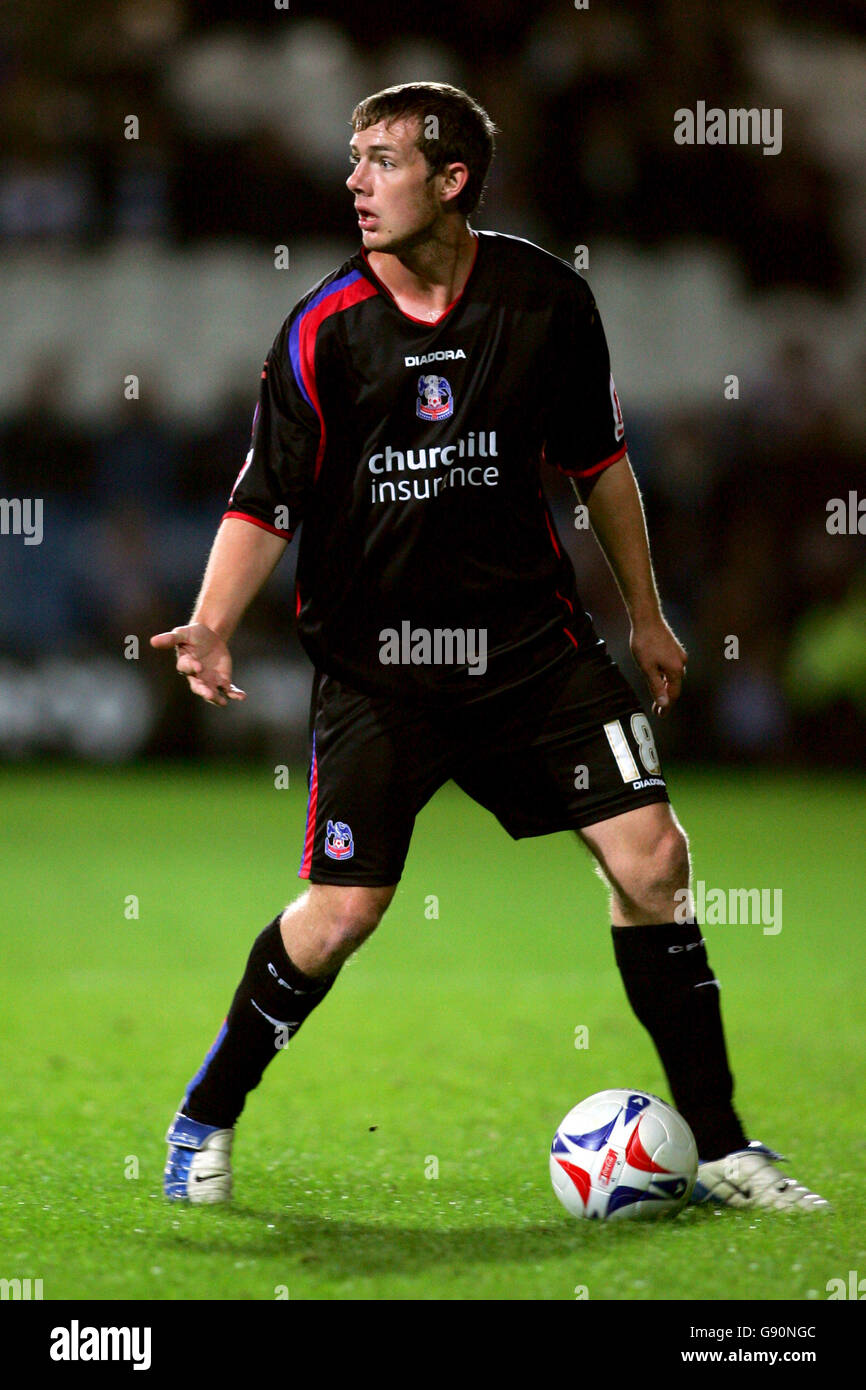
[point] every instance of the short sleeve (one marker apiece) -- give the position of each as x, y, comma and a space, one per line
585, 432
272, 486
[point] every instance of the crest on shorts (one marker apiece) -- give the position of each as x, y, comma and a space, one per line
435, 399
338, 840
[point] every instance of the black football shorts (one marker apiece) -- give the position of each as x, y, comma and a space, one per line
566, 748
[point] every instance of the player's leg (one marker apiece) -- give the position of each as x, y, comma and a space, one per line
670, 985
279, 989
289, 971
644, 856
576, 752
662, 958
322, 928
373, 765
590, 763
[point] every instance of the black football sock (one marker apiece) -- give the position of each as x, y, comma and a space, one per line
270, 1004
675, 995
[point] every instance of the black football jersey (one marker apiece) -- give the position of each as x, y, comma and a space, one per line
429, 564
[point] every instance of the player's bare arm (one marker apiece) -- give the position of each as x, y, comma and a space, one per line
617, 518
242, 558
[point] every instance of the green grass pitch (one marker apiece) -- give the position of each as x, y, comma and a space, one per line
399, 1148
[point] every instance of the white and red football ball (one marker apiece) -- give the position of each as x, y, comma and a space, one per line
623, 1155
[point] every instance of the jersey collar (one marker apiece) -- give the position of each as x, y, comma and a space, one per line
426, 323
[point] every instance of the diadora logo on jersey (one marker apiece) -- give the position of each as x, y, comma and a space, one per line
435, 398
338, 840
447, 355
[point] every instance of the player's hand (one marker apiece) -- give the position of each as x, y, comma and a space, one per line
204, 659
662, 659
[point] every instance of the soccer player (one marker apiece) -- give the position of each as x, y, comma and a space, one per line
403, 412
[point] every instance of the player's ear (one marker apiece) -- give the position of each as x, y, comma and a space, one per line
454, 179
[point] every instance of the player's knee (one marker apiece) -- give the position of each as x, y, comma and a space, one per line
671, 859
351, 914
661, 872
649, 876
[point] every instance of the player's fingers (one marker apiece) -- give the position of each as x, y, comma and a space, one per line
656, 679
674, 681
167, 639
659, 690
231, 692
207, 692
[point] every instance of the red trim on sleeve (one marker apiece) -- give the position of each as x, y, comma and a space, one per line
254, 520
597, 467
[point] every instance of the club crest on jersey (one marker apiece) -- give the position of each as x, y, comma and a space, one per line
338, 840
435, 400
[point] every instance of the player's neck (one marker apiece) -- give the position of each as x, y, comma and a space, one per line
427, 278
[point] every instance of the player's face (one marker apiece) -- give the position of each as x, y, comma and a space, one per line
397, 199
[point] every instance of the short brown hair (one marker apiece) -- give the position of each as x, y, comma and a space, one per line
465, 131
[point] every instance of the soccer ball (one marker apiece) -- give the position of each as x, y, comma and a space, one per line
623, 1155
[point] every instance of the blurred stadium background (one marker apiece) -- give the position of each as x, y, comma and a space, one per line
155, 257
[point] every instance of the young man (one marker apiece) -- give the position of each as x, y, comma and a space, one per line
403, 411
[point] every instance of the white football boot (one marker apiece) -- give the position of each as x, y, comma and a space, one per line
199, 1164
748, 1178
